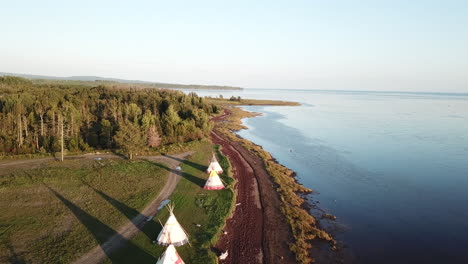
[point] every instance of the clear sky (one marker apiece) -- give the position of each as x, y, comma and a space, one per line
410, 45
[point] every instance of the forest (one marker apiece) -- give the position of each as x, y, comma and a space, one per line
95, 80
38, 117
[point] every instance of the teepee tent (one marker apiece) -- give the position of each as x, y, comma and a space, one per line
170, 256
214, 166
213, 182
172, 232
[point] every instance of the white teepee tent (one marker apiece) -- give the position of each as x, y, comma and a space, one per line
170, 256
214, 165
172, 232
213, 182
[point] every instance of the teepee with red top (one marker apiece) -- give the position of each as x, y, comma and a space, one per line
170, 256
214, 182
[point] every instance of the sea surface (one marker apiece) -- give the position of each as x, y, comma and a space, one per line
393, 167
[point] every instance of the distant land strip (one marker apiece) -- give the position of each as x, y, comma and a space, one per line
93, 80
240, 101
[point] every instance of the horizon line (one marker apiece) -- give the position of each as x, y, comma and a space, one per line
223, 85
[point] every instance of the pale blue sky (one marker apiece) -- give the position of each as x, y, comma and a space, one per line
359, 45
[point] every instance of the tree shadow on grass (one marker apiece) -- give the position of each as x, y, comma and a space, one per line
118, 154
125, 255
108, 239
197, 166
188, 176
129, 212
14, 257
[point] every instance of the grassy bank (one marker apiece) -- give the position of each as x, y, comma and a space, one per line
55, 213
193, 205
303, 225
24, 156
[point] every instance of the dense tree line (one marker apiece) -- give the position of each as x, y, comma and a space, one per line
34, 117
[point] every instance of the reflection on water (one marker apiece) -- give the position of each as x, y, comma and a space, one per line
393, 167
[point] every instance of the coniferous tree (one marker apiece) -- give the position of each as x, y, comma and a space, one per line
32, 114
130, 138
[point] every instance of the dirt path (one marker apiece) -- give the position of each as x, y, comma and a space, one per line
129, 230
257, 232
245, 228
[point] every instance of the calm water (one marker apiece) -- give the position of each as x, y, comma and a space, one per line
393, 167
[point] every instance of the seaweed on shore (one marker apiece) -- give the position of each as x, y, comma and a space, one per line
304, 226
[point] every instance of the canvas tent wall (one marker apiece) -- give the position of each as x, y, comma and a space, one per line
214, 165
214, 182
172, 232
170, 256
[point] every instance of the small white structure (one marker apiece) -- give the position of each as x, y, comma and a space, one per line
170, 256
172, 232
224, 255
214, 182
214, 166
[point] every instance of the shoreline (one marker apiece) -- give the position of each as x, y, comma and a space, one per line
302, 226
256, 212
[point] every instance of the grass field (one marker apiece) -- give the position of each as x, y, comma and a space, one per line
193, 205
55, 213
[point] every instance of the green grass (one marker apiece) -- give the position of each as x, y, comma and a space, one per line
193, 205
56, 213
